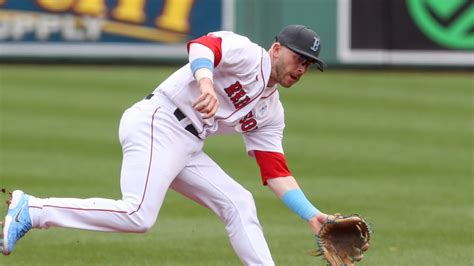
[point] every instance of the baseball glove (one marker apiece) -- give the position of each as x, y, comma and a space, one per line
342, 240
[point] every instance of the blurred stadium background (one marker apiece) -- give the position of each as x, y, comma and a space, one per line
386, 131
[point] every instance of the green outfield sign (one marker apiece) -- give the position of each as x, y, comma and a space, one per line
409, 32
449, 23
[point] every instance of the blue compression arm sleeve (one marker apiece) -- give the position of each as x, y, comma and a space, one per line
298, 203
201, 63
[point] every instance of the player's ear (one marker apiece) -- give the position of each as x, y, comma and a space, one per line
276, 49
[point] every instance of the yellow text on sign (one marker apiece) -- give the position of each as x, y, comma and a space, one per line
174, 16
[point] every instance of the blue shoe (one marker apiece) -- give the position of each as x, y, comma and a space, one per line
17, 222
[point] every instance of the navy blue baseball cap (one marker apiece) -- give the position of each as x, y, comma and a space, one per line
303, 41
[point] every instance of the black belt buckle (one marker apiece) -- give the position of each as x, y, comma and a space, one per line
190, 128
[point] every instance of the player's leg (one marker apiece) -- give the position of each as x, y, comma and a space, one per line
205, 182
155, 149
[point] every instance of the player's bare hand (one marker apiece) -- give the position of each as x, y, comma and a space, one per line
207, 102
317, 222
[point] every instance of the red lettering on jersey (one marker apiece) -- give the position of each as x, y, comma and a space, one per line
237, 95
248, 122
233, 89
242, 103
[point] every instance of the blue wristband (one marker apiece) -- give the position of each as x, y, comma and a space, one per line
201, 63
298, 203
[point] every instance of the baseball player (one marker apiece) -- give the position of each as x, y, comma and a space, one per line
228, 86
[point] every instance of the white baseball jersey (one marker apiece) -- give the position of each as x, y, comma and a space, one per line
246, 104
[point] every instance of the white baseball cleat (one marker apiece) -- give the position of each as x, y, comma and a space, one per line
17, 222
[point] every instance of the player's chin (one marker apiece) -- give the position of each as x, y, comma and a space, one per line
288, 82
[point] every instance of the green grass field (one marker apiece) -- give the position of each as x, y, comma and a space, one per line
396, 147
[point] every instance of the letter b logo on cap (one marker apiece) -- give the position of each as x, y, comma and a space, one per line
315, 46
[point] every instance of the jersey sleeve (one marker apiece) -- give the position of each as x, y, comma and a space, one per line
265, 142
272, 165
212, 42
197, 50
238, 54
268, 136
231, 50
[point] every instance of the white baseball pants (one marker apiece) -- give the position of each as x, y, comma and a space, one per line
159, 153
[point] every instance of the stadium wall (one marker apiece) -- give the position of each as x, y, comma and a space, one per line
353, 32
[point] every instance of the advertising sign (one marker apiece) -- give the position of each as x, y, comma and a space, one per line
428, 32
108, 28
